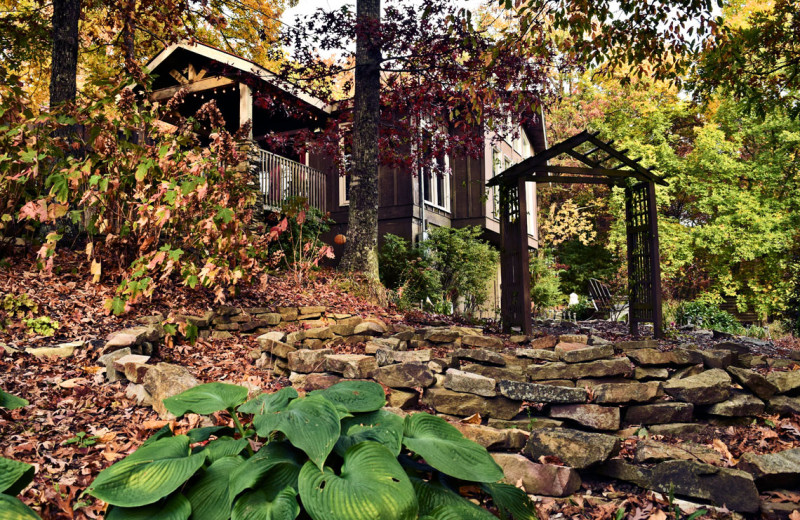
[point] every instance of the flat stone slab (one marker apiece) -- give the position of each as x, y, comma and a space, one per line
580, 353
785, 381
574, 338
351, 366
456, 403
575, 448
600, 368
387, 357
508, 439
460, 381
731, 488
538, 479
497, 373
626, 392
645, 373
648, 451
64, 350
739, 405
626, 346
537, 354
476, 341
539, 393
405, 375
773, 470
784, 405
659, 413
480, 355
676, 357
589, 415
709, 387
754, 382
306, 361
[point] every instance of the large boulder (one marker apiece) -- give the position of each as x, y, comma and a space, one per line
538, 479
540, 393
731, 488
575, 448
165, 380
709, 387
589, 415
457, 403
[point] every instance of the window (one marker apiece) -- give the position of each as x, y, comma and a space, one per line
437, 183
493, 193
346, 164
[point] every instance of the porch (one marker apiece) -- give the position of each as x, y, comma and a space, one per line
280, 178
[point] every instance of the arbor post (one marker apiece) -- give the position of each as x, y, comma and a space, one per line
515, 293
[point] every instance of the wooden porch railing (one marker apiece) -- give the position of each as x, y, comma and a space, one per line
281, 178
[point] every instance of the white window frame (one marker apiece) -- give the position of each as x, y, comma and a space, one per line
344, 200
429, 197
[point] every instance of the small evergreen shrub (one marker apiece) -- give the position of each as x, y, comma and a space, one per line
545, 284
707, 315
331, 455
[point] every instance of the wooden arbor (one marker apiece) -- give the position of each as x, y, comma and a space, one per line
604, 164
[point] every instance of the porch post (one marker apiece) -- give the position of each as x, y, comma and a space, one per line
515, 296
655, 262
246, 107
633, 290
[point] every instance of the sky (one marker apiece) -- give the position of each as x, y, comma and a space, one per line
305, 7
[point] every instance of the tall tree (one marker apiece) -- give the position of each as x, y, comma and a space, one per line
361, 249
64, 66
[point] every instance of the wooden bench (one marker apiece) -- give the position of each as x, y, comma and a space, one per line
606, 305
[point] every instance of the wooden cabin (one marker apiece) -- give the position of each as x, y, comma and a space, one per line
408, 203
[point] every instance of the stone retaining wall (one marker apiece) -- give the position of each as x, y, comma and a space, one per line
572, 398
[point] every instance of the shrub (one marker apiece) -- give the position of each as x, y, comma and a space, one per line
545, 288
335, 449
296, 235
465, 264
583, 310
162, 206
707, 315
43, 326
407, 272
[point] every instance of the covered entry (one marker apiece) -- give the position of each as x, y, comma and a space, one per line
603, 164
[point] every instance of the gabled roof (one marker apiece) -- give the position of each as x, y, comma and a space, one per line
242, 64
538, 168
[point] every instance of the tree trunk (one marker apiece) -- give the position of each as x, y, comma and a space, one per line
361, 248
128, 34
64, 71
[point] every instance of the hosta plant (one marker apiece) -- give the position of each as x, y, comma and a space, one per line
333, 454
14, 477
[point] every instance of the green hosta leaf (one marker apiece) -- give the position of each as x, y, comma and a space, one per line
11, 402
12, 509
311, 424
206, 399
209, 495
355, 396
176, 507
223, 447
379, 426
14, 476
439, 502
266, 403
163, 433
259, 505
512, 500
446, 449
275, 466
203, 434
147, 475
372, 486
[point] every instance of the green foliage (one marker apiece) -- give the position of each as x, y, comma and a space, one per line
334, 451
82, 440
545, 286
451, 266
42, 325
14, 477
408, 272
11, 402
583, 262
19, 306
583, 310
706, 315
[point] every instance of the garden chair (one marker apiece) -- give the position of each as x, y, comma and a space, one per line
606, 304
